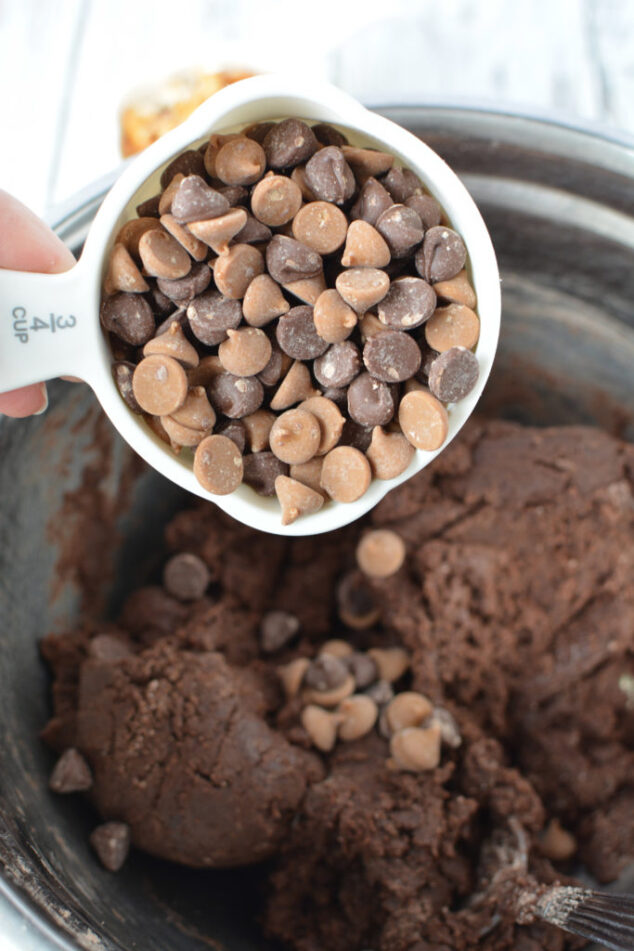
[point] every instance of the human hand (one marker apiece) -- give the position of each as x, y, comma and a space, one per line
27, 244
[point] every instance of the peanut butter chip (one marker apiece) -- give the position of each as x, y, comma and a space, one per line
163, 256
218, 465
334, 319
365, 247
183, 235
423, 419
345, 474
296, 499
389, 454
276, 200
452, 326
218, 232
235, 269
246, 352
331, 696
415, 749
380, 553
159, 385
240, 161
295, 436
366, 163
330, 421
391, 662
321, 226
123, 274
296, 386
196, 412
362, 287
258, 426
181, 435
358, 715
556, 843
307, 289
165, 201
263, 301
174, 344
292, 675
130, 233
370, 326
321, 727
309, 473
337, 648
457, 290
407, 709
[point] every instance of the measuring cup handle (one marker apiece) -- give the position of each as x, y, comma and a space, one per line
45, 325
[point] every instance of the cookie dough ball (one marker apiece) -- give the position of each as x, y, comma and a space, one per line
181, 752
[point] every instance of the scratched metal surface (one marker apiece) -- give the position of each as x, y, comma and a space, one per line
553, 199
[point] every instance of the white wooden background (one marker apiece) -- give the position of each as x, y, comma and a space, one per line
67, 65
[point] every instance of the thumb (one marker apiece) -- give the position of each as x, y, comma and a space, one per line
28, 244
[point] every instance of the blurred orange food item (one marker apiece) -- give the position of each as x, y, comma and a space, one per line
155, 112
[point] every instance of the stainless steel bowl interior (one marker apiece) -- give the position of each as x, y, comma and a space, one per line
558, 202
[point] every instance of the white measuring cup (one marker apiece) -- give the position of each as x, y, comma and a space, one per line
49, 323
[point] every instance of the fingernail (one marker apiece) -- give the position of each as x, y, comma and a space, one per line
44, 406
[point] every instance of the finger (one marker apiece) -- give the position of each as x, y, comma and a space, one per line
27, 244
28, 401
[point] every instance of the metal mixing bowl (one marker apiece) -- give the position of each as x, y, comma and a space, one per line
559, 202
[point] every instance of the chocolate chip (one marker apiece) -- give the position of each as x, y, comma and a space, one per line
356, 603
329, 176
327, 134
392, 356
254, 232
339, 365
235, 430
210, 316
288, 143
402, 183
409, 302
297, 335
288, 260
370, 402
71, 773
186, 577
402, 229
129, 316
111, 842
261, 469
277, 629
122, 374
149, 208
235, 396
185, 288
362, 668
373, 200
196, 201
160, 303
442, 255
187, 163
274, 370
381, 692
453, 374
325, 673
353, 434
258, 131
427, 208
235, 194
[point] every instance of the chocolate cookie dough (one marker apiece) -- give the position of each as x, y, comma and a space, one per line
501, 654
